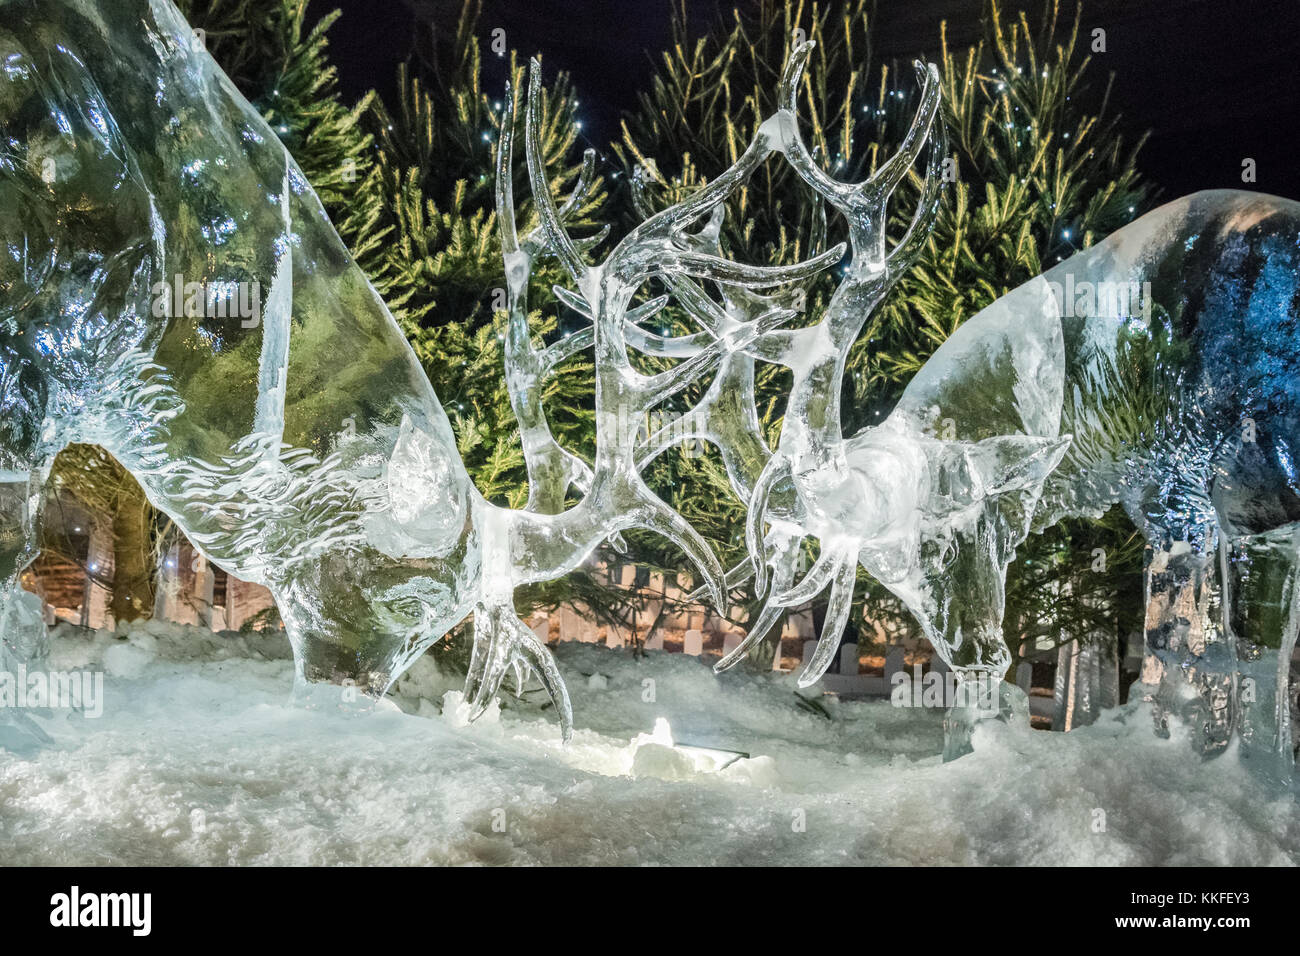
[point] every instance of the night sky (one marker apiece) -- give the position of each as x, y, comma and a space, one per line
1214, 80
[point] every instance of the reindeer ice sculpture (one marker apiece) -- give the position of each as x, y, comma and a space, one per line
1046, 404
1062, 398
935, 518
301, 446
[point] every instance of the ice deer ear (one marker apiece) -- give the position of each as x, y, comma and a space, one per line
426, 494
1001, 373
963, 473
1016, 462
1000, 477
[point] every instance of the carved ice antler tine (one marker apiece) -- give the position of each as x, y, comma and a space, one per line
503, 644
574, 301
591, 242
586, 176
648, 343
862, 203
812, 583
768, 616
666, 346
883, 182
570, 345
551, 469
710, 234
732, 579
505, 187
818, 238
842, 196
888, 176
837, 615
904, 253
640, 193
489, 660
682, 214
646, 310
754, 518
656, 515
668, 383
690, 427
730, 272
692, 261
510, 241
557, 237
505, 203
697, 302
691, 296
708, 239
580, 305
669, 222
534, 652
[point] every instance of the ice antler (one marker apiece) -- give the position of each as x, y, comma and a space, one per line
811, 453
863, 204
543, 541
551, 469
812, 447
624, 395
813, 434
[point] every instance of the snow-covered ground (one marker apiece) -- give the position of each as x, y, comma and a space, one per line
197, 759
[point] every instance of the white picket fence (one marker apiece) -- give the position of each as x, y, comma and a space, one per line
846, 683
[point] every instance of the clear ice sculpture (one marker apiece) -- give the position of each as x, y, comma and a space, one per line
173, 291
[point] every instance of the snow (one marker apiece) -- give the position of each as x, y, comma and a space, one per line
199, 759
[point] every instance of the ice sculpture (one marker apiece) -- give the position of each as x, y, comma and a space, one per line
172, 290
1158, 370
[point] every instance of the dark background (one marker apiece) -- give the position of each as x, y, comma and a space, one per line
1215, 81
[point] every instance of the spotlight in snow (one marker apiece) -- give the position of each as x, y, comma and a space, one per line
691, 758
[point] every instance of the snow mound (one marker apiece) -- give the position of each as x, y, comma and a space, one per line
198, 759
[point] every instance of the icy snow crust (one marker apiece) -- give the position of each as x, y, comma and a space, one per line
198, 759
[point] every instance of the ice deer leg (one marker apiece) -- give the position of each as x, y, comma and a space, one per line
1189, 672
1260, 607
23, 639
961, 609
980, 694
